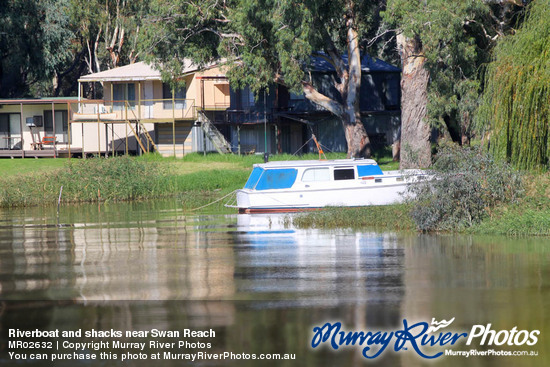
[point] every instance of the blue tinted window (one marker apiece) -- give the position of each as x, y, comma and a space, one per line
369, 170
254, 177
277, 179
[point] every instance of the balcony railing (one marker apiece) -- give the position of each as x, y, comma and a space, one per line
145, 109
8, 142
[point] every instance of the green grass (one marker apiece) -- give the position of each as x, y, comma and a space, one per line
16, 167
529, 217
516, 221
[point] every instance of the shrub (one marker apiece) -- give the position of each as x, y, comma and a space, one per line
468, 183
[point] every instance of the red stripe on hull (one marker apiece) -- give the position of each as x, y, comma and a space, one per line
274, 210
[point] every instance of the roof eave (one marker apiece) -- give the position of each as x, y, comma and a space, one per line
119, 79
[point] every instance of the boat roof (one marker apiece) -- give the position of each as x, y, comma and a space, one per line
316, 163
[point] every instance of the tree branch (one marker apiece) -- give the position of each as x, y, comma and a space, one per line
320, 99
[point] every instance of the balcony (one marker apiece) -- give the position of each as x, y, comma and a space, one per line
152, 110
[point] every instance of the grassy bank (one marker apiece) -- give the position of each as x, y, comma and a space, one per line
528, 214
19, 167
119, 179
529, 217
196, 179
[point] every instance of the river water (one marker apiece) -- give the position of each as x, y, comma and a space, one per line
261, 285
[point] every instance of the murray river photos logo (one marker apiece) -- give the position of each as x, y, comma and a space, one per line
421, 338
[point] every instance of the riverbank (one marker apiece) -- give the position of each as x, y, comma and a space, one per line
196, 179
529, 216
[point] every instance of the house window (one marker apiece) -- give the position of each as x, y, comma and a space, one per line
390, 90
344, 174
297, 101
61, 125
122, 93
10, 131
179, 97
316, 175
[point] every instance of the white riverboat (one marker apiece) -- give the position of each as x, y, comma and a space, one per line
286, 186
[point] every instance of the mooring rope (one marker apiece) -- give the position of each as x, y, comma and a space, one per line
303, 146
214, 202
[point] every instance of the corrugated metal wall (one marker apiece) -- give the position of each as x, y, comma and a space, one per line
199, 140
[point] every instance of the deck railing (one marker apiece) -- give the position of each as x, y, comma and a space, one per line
144, 110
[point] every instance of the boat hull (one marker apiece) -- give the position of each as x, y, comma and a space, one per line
251, 201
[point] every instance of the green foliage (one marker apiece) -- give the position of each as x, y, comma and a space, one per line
529, 217
268, 38
35, 43
177, 31
108, 30
516, 103
457, 39
468, 183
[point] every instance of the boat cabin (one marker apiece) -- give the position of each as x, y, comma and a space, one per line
285, 175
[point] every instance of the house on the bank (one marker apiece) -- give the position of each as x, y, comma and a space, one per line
140, 113
286, 121
34, 127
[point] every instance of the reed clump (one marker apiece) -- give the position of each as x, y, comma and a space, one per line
97, 179
392, 217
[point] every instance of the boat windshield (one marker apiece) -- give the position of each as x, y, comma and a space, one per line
282, 178
254, 177
369, 170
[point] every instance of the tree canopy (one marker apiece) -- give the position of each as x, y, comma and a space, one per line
271, 41
457, 38
34, 44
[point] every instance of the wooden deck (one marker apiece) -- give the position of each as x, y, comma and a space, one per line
44, 153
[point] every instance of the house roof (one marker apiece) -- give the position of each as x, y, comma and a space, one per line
42, 100
133, 72
368, 64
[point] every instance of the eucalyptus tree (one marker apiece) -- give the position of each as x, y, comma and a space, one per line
35, 40
443, 46
108, 31
268, 41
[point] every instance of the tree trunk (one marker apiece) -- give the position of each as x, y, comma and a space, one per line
356, 137
396, 146
415, 131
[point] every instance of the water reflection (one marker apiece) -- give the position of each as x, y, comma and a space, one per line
260, 282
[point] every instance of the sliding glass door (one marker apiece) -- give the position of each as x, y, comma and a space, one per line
61, 125
10, 131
